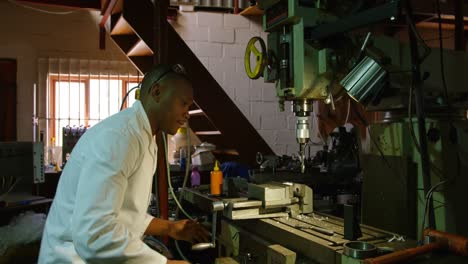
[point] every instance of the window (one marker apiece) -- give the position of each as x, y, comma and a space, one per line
85, 100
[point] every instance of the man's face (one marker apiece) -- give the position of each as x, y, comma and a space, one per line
175, 105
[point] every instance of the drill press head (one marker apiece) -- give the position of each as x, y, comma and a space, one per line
302, 109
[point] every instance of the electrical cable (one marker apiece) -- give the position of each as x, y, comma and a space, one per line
349, 109
441, 55
169, 181
411, 128
429, 194
175, 197
12, 185
187, 166
426, 205
42, 10
126, 95
364, 121
179, 206
187, 160
155, 240
427, 50
180, 251
315, 119
434, 168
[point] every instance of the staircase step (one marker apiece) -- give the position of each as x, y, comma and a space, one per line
196, 112
143, 63
208, 133
120, 26
140, 49
201, 123
218, 140
139, 15
125, 42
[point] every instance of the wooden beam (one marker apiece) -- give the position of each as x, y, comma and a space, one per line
87, 4
102, 24
446, 7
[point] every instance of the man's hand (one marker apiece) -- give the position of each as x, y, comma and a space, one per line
177, 262
188, 230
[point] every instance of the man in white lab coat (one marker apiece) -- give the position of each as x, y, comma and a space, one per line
99, 213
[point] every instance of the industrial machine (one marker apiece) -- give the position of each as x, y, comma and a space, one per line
275, 223
22, 166
325, 51
308, 54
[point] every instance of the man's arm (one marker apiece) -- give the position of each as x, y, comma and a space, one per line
180, 230
158, 227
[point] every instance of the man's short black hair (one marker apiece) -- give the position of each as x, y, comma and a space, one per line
160, 73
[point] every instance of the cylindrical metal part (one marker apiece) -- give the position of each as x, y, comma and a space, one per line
218, 206
359, 249
202, 246
302, 107
365, 80
302, 130
324, 231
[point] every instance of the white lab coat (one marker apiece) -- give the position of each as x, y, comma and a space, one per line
99, 212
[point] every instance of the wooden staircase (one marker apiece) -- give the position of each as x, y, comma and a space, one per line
214, 118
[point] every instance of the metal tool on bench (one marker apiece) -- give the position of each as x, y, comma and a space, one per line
217, 206
271, 200
318, 229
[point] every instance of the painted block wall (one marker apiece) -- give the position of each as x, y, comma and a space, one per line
219, 41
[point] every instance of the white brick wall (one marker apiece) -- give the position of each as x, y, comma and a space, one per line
274, 122
192, 32
209, 19
221, 35
223, 64
234, 50
208, 49
219, 40
244, 35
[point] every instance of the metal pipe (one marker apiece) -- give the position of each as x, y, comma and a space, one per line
105, 16
419, 98
236, 7
460, 43
451, 242
403, 255
443, 241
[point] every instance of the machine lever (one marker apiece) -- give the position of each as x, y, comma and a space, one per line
202, 246
212, 244
320, 230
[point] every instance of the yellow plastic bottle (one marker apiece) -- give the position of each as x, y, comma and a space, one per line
216, 184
